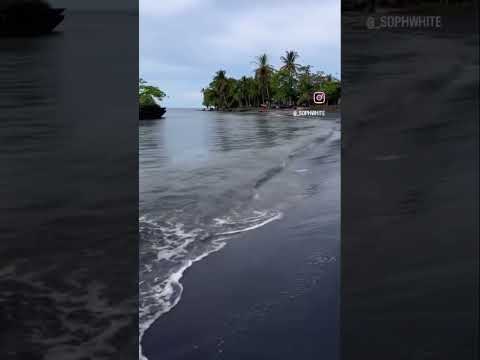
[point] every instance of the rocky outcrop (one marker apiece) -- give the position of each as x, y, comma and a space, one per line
151, 112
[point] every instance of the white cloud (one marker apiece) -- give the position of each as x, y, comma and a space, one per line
166, 7
274, 30
150, 65
180, 53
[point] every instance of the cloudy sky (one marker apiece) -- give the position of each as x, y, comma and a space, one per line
184, 42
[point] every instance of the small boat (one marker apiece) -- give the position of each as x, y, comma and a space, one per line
151, 112
27, 18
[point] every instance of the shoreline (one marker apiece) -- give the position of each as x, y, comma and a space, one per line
252, 312
281, 311
176, 278
256, 110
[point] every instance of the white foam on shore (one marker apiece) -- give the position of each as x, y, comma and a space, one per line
167, 293
255, 226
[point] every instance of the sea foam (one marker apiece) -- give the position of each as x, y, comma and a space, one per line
173, 249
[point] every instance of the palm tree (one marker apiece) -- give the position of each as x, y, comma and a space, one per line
289, 61
290, 66
220, 85
306, 86
252, 91
243, 91
209, 97
263, 73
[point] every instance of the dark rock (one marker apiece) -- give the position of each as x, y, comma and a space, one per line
27, 18
151, 112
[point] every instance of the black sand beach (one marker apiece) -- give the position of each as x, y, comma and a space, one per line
264, 296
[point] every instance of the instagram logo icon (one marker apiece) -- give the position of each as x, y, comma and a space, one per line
319, 97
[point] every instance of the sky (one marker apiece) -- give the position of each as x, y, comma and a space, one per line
184, 42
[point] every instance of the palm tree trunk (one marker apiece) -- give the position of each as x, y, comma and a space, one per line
268, 96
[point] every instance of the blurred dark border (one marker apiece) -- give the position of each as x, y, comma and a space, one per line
410, 182
69, 187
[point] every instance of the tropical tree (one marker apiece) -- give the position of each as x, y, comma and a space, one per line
262, 74
291, 84
220, 87
232, 95
147, 93
306, 86
209, 97
290, 67
280, 85
332, 90
253, 91
243, 91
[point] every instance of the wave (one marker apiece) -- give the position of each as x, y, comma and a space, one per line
255, 224
311, 143
171, 249
272, 172
164, 294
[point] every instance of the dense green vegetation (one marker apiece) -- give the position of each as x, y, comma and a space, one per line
147, 94
291, 85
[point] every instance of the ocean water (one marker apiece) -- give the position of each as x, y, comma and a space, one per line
207, 177
68, 190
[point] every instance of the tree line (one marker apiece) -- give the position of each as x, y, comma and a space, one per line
148, 93
291, 85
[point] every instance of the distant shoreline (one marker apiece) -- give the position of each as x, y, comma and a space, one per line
256, 110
